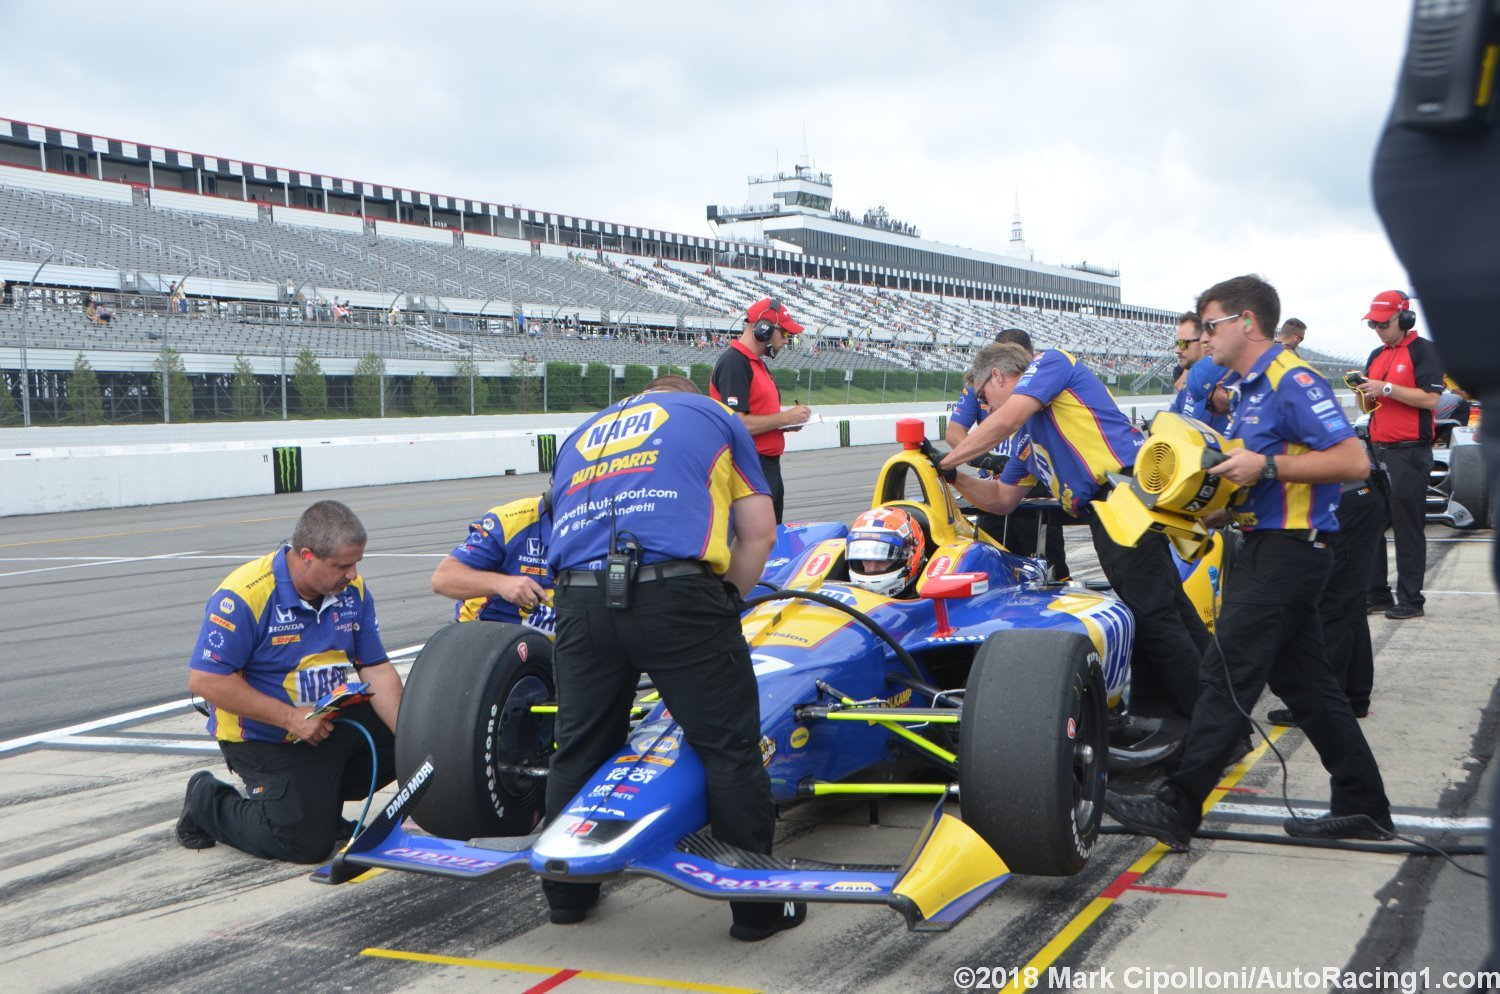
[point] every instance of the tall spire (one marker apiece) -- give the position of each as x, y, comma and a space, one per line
1017, 240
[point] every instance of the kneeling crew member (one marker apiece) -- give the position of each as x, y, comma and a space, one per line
630, 482
1298, 447
277, 635
500, 572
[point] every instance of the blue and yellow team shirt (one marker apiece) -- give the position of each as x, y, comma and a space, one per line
1078, 436
663, 467
1192, 400
1284, 407
257, 625
512, 539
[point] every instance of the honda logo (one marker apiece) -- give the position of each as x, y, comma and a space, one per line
285, 615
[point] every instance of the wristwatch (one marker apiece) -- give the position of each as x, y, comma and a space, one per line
1385, 391
1268, 472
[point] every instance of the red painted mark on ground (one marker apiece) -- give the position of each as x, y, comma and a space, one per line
1241, 790
553, 982
1178, 890
1122, 883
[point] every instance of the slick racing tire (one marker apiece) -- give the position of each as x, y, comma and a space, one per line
1467, 483
468, 704
1033, 746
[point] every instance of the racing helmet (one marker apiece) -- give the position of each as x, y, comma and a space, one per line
884, 550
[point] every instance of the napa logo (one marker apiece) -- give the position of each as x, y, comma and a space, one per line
620, 431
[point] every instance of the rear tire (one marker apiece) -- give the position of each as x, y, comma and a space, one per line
1033, 748
467, 704
1467, 482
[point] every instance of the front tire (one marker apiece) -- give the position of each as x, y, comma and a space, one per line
1468, 483
467, 704
1033, 747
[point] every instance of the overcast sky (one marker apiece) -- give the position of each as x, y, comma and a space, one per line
1182, 142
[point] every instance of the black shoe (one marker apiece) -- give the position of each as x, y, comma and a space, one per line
189, 835
1242, 748
792, 915
1340, 827
1282, 717
345, 832
1146, 815
573, 914
1402, 612
1377, 605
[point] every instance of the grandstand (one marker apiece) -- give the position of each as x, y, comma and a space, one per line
273, 261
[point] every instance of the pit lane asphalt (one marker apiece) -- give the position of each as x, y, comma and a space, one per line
98, 609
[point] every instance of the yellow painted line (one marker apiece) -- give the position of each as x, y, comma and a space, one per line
613, 978
1080, 922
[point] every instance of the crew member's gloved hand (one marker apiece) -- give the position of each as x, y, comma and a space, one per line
990, 462
935, 456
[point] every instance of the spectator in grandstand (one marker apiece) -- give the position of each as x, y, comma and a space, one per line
7, 294
1403, 379
499, 573
1078, 437
1293, 331
742, 382
1020, 533
1295, 452
278, 635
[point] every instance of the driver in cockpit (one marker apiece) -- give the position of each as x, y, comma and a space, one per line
885, 551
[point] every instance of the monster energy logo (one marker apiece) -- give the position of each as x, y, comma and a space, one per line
843, 434
942, 425
546, 452
288, 469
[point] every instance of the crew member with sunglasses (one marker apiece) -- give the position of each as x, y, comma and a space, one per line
1199, 394
1403, 382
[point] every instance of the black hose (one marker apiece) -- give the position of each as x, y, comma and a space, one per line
1345, 845
855, 613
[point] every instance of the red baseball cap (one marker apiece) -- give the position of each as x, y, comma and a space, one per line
774, 312
1387, 305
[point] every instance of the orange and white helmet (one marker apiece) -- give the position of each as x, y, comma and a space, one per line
884, 550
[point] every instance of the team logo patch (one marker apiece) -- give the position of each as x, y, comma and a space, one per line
940, 565
222, 623
818, 564
767, 750
1303, 379
285, 639
226, 605
799, 737
620, 431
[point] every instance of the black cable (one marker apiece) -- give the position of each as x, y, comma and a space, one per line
1417, 846
1348, 845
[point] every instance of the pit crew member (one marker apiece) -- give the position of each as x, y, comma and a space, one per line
1298, 448
278, 634
664, 486
500, 572
742, 382
1078, 435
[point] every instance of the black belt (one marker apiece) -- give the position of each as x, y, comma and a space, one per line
1418, 443
646, 573
769, 458
1300, 534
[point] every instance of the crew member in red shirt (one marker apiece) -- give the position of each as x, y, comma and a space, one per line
1404, 379
742, 382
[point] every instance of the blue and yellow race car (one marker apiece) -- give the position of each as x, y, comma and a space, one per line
988, 685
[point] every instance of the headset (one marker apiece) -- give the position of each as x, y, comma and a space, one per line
765, 327
1406, 318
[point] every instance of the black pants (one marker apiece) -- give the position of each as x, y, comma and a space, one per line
771, 466
684, 631
1270, 634
295, 791
1170, 637
1409, 470
1021, 533
1346, 624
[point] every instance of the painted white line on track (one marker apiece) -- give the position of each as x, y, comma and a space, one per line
58, 734
105, 562
1461, 593
1404, 822
143, 745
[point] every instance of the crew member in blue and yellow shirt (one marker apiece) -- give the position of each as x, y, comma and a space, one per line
278, 634
1298, 449
669, 480
1078, 437
499, 573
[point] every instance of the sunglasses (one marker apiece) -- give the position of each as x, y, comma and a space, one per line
1380, 325
1183, 343
1210, 325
